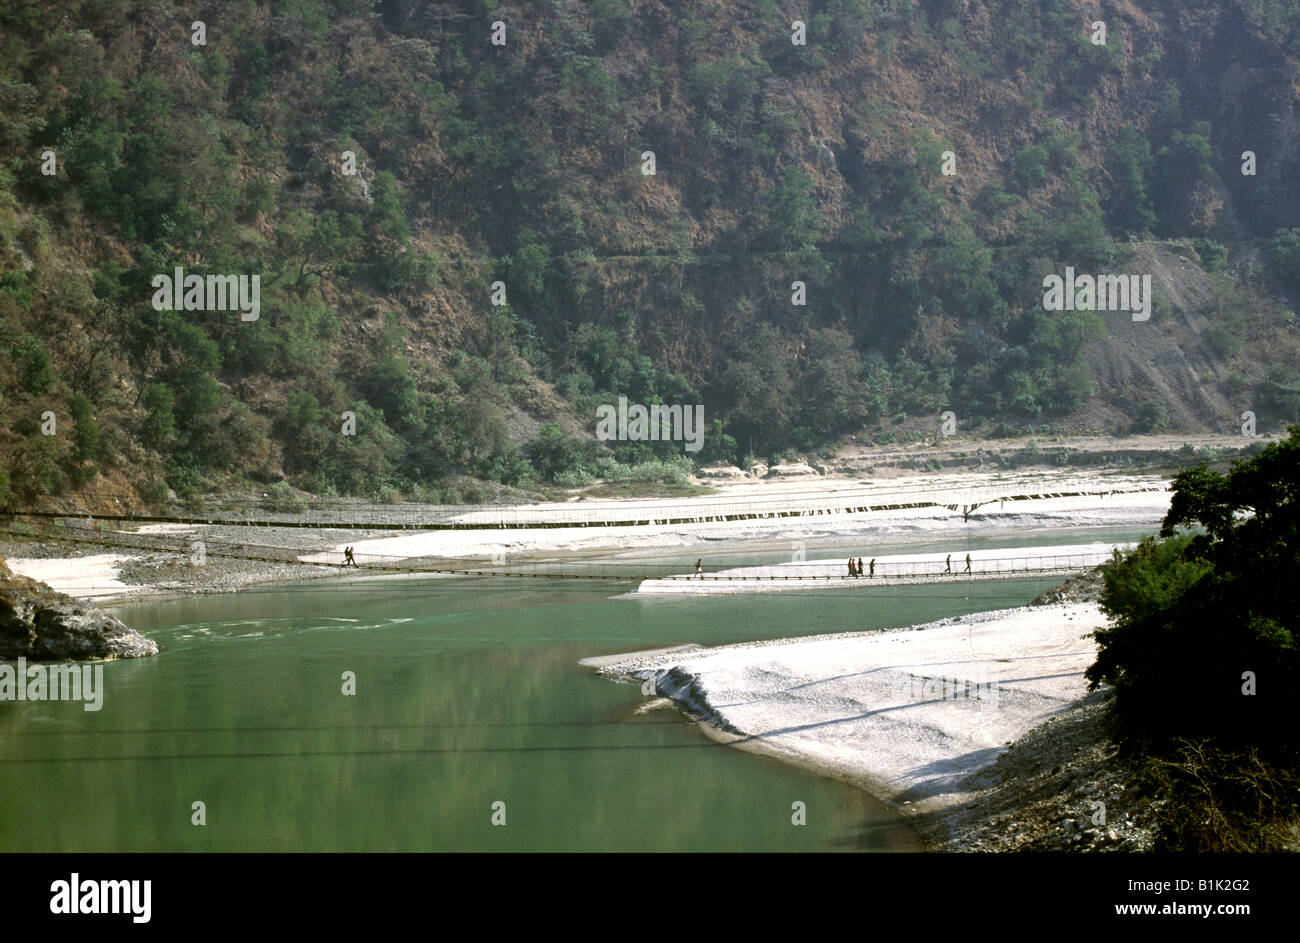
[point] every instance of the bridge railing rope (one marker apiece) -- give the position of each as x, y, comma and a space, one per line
620, 514
982, 566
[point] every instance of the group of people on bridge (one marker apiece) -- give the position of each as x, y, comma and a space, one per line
855, 569
947, 564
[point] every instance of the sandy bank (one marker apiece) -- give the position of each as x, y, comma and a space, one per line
909, 715
79, 577
971, 503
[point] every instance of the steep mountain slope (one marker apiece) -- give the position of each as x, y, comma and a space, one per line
389, 171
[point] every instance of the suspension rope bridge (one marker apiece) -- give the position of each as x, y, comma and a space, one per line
435, 518
665, 577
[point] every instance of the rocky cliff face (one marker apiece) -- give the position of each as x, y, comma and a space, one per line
41, 625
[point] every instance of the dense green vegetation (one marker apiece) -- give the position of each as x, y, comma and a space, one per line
477, 164
1203, 648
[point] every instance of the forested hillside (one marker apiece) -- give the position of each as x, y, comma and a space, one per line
647, 181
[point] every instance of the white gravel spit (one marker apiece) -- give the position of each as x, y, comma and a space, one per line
908, 714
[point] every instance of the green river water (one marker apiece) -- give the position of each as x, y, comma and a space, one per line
467, 694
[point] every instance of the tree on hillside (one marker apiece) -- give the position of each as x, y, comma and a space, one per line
834, 399
759, 388
1128, 158
791, 212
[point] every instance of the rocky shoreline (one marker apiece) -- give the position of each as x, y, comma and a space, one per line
1063, 786
39, 624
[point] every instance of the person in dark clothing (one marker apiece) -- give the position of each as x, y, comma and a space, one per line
873, 566
968, 563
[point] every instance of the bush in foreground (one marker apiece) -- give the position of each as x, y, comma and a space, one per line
1202, 653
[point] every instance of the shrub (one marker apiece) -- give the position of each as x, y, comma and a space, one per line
154, 491
283, 499
1213, 255
664, 472
185, 480
1129, 162
1151, 417
557, 456
1029, 167
1198, 615
33, 364
1284, 253
1220, 800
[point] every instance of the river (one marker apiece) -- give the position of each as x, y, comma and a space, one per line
469, 707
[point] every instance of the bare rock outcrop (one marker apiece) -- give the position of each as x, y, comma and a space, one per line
40, 624
792, 470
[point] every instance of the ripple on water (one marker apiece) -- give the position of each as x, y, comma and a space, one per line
228, 630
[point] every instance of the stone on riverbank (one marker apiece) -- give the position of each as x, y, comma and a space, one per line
40, 624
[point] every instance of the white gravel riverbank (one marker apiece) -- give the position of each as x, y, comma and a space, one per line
909, 714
